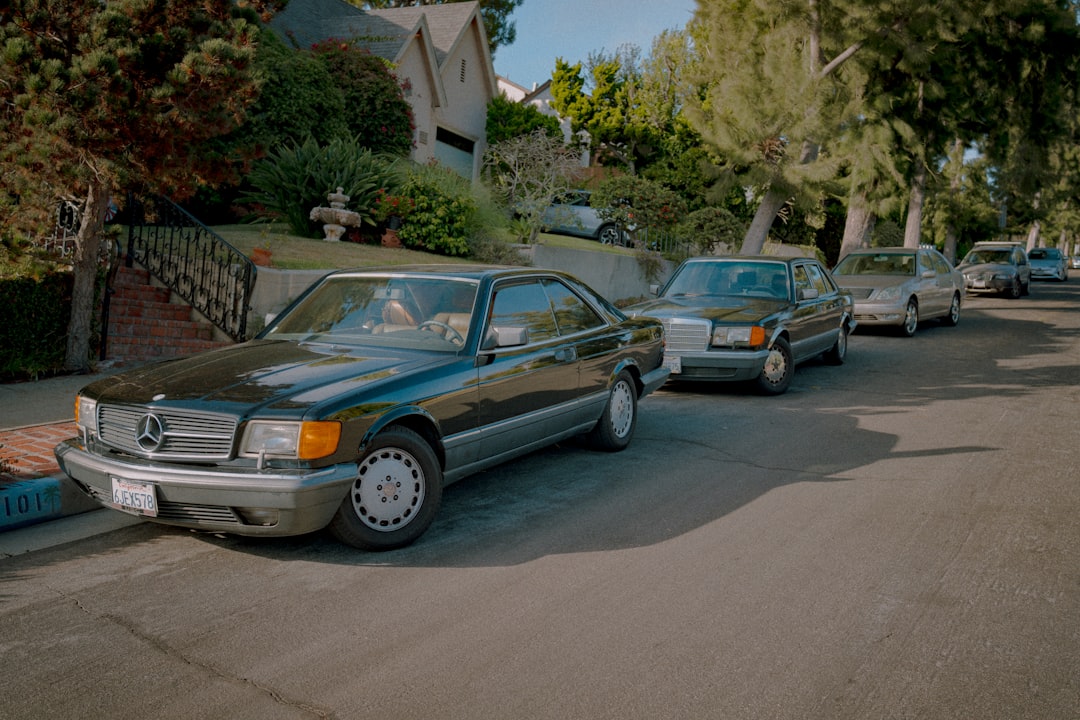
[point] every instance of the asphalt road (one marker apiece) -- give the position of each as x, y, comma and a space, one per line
894, 538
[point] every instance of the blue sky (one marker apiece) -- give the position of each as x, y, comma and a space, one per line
571, 29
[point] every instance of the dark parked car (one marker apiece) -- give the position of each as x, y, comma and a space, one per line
572, 213
1048, 263
900, 287
361, 401
750, 318
996, 267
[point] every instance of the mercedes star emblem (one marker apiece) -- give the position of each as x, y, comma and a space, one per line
149, 432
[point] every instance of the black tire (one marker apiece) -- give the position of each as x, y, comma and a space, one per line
838, 352
395, 496
615, 428
779, 368
1016, 290
953, 318
911, 318
609, 234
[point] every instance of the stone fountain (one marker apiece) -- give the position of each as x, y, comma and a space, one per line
335, 218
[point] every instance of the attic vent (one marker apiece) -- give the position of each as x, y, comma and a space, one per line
462, 69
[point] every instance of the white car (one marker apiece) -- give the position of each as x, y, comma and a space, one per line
1048, 263
573, 214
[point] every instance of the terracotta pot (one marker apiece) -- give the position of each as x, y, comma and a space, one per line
390, 239
261, 257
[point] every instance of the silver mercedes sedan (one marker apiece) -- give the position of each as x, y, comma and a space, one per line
901, 287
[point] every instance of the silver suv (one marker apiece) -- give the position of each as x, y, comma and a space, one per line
997, 267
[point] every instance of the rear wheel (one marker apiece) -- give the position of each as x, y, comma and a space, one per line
838, 352
395, 495
954, 312
779, 367
615, 427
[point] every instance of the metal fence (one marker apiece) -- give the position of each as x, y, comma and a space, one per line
193, 261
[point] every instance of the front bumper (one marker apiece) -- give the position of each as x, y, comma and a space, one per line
980, 283
241, 501
716, 365
881, 313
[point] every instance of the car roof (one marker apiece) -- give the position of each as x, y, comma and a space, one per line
886, 251
751, 258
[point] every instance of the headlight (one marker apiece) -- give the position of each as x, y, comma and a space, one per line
888, 294
743, 335
300, 440
1004, 274
86, 413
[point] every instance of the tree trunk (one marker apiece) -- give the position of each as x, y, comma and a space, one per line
754, 241
912, 230
858, 225
85, 267
1033, 236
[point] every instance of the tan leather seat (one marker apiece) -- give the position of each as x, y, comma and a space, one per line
458, 321
394, 313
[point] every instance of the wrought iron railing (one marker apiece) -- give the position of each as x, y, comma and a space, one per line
194, 262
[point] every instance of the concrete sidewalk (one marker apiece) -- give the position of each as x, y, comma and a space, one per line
34, 417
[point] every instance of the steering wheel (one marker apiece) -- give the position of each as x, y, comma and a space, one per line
451, 334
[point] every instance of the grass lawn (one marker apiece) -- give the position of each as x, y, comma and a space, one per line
291, 252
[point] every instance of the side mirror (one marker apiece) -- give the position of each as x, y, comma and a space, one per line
654, 289
927, 274
502, 337
808, 294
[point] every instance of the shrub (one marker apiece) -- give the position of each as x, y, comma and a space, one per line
296, 178
442, 213
33, 335
712, 228
375, 109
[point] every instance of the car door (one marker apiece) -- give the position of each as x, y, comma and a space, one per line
816, 318
528, 373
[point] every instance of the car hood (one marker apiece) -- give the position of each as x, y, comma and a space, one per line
720, 308
986, 267
870, 281
288, 376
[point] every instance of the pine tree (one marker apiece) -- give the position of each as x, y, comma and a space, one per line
99, 98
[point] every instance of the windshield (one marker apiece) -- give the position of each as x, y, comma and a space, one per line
877, 264
401, 311
758, 279
1043, 254
997, 257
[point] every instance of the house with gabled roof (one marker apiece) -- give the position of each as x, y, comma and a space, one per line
440, 54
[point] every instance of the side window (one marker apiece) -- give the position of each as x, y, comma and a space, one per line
571, 313
941, 265
524, 305
818, 279
802, 281
924, 263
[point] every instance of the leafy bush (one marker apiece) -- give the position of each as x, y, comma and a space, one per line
712, 228
33, 335
443, 209
375, 109
296, 178
638, 203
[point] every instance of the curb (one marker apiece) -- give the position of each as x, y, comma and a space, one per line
26, 502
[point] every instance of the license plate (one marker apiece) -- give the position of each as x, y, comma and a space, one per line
136, 496
979, 284
673, 363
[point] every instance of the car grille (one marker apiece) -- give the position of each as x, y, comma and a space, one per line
683, 335
191, 436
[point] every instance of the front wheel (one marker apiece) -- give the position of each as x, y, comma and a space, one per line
610, 235
911, 318
396, 493
616, 425
779, 367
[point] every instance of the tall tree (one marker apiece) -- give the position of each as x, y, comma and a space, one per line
497, 24
102, 97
